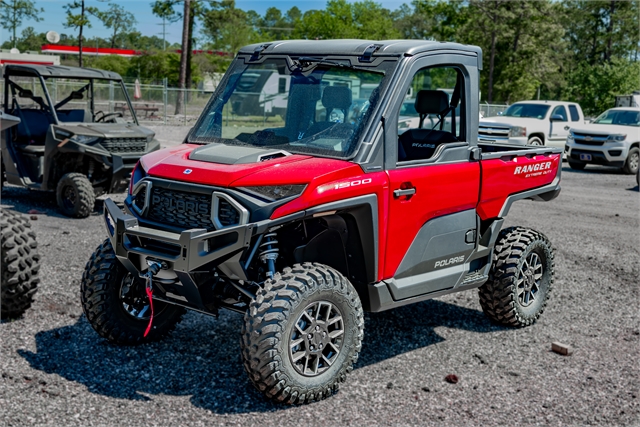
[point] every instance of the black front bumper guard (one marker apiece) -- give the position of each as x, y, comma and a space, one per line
187, 251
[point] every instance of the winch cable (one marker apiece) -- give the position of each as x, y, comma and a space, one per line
154, 267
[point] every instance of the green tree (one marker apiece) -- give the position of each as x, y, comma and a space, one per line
595, 87
78, 20
602, 30
431, 19
13, 12
114, 63
28, 40
118, 20
158, 65
228, 28
341, 19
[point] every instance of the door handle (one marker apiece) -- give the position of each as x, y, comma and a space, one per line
567, 127
404, 192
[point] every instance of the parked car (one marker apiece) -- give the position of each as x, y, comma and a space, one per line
611, 139
532, 123
68, 141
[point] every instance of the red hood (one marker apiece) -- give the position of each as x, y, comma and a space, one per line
171, 163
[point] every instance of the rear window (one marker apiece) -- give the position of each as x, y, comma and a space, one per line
575, 116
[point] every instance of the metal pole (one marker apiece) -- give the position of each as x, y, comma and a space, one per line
165, 97
111, 96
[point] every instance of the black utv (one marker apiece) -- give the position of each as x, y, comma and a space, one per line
78, 134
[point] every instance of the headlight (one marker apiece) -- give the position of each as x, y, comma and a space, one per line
570, 137
137, 174
276, 192
84, 139
616, 138
516, 131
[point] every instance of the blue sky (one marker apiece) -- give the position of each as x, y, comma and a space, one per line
54, 15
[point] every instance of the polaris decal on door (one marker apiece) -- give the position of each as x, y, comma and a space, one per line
450, 261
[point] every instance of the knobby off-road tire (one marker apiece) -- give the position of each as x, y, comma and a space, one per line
521, 277
75, 195
290, 317
20, 265
114, 302
631, 164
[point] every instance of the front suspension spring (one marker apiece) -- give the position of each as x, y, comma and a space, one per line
269, 252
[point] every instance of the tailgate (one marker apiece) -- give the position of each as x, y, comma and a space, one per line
513, 174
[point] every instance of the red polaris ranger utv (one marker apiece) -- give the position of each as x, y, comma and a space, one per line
306, 207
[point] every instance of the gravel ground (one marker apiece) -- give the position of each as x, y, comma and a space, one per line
55, 370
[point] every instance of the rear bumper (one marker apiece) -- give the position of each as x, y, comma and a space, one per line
180, 253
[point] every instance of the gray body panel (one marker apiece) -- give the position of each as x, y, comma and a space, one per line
437, 257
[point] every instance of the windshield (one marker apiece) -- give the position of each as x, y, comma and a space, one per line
535, 111
320, 109
75, 100
619, 117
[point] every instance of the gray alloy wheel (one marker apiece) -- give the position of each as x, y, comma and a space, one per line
317, 338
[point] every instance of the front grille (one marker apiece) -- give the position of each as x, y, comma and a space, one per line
586, 139
140, 197
125, 145
493, 132
180, 209
227, 214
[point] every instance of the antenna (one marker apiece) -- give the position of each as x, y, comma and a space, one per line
53, 37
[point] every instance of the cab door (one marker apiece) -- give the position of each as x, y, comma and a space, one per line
559, 123
432, 222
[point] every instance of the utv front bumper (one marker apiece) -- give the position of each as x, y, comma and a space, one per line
180, 253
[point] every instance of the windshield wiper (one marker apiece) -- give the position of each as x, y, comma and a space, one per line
305, 61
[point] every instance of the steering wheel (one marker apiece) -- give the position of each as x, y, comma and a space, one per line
105, 115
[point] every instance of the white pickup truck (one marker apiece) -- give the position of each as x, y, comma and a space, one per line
532, 123
612, 139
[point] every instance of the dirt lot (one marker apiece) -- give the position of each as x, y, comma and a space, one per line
55, 370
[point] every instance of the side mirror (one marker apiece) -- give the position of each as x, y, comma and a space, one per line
557, 118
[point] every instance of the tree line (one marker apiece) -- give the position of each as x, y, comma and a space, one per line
576, 50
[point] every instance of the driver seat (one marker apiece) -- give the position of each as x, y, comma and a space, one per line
333, 97
418, 144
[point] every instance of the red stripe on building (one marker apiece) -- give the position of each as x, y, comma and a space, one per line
87, 50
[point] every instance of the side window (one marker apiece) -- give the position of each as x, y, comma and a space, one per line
430, 113
573, 110
560, 110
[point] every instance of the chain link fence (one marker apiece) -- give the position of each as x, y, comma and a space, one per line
156, 103
490, 110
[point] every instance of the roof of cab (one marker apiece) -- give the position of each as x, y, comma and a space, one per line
29, 70
356, 47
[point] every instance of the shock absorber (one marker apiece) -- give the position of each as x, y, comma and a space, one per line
269, 252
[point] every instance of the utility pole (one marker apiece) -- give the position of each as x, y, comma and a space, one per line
80, 37
183, 57
164, 33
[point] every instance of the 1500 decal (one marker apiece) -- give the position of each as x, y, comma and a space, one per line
345, 184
